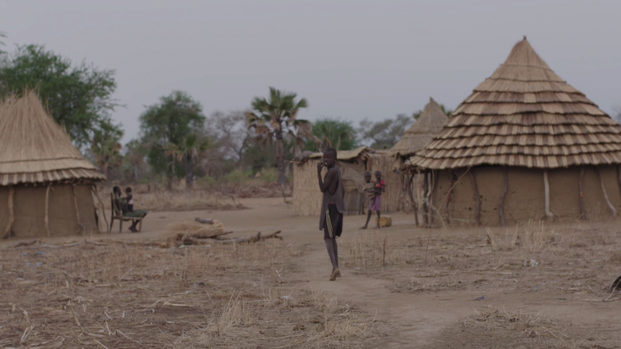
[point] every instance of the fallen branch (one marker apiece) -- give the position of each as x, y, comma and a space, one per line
251, 239
31, 242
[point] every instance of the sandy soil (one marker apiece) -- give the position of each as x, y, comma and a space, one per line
428, 288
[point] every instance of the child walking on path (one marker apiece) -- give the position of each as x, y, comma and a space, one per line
375, 202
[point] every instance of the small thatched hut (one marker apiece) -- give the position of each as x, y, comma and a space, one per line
353, 164
431, 121
45, 183
524, 145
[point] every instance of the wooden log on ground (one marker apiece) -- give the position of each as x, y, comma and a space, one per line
204, 220
27, 243
251, 239
583, 215
477, 199
546, 193
7, 231
601, 182
501, 204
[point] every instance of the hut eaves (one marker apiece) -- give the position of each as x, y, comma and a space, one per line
35, 149
524, 115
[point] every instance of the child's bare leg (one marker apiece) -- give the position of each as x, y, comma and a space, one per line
378, 220
368, 219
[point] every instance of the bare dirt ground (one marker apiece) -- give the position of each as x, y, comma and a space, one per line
532, 286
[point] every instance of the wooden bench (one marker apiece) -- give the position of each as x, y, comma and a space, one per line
117, 214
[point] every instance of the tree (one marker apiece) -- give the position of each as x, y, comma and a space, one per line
333, 133
188, 152
276, 118
79, 97
106, 147
384, 134
617, 114
133, 159
167, 123
230, 135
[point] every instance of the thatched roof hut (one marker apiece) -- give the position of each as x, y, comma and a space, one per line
353, 164
431, 121
535, 145
43, 178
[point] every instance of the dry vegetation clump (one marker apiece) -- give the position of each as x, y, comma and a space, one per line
115, 295
528, 325
305, 320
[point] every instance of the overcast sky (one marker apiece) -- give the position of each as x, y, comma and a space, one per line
351, 59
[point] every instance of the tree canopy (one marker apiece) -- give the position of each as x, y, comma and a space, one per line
276, 117
335, 133
384, 134
168, 124
79, 97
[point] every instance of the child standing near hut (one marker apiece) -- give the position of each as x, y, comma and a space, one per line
332, 207
375, 202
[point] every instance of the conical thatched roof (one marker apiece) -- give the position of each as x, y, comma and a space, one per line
35, 149
524, 115
430, 122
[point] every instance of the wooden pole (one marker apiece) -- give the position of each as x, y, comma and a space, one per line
425, 203
546, 193
7, 231
410, 178
501, 204
452, 182
77, 212
47, 205
619, 176
477, 199
583, 215
601, 182
432, 179
103, 208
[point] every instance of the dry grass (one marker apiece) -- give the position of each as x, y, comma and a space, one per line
164, 200
570, 258
529, 325
115, 295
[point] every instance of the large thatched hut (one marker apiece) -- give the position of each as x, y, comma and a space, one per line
352, 164
524, 145
45, 183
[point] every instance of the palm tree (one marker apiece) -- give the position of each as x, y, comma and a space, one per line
333, 133
190, 149
276, 118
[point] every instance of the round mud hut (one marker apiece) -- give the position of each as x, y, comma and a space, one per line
525, 145
45, 183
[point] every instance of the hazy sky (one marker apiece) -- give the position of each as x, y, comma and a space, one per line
351, 59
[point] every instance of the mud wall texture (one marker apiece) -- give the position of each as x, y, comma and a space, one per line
525, 198
29, 211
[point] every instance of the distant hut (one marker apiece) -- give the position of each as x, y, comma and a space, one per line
430, 122
353, 164
45, 183
525, 145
